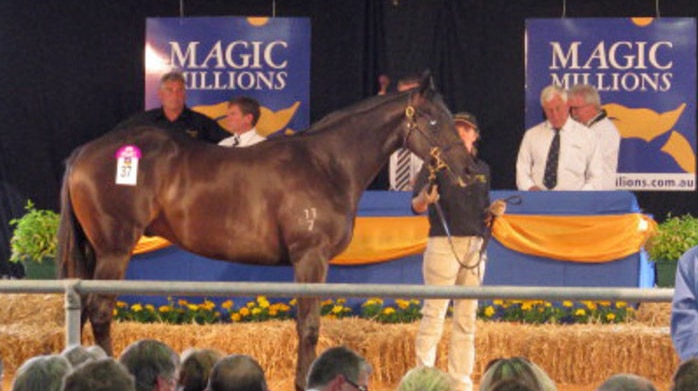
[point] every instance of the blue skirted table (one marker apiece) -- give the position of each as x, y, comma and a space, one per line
548, 239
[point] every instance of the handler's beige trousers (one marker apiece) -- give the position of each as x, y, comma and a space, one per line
441, 268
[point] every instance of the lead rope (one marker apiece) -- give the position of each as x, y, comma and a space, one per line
434, 167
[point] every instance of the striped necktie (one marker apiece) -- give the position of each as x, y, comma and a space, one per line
550, 174
402, 170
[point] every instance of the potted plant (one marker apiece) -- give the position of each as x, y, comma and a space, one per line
674, 237
34, 242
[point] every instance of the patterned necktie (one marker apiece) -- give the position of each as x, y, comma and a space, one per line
236, 140
550, 175
402, 170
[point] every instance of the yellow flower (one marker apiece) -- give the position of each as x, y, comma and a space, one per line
192, 307
121, 304
182, 302
341, 301
227, 305
346, 309
621, 304
244, 311
137, 307
250, 304
150, 307
256, 311
605, 303
548, 304
489, 311
388, 310
580, 312
293, 302
263, 302
208, 305
590, 305
403, 304
498, 302
610, 316
337, 309
368, 303
114, 312
326, 302
272, 312
236, 317
415, 302
164, 308
567, 303
526, 306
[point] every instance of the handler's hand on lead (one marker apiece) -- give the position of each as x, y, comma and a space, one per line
498, 207
430, 197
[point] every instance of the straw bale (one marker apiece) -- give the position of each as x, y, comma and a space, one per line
654, 314
580, 354
32, 308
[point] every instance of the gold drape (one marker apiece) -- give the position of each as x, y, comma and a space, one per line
567, 238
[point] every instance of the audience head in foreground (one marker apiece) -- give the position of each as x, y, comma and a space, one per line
526, 373
337, 368
626, 382
41, 373
426, 379
686, 376
237, 372
152, 363
196, 367
104, 374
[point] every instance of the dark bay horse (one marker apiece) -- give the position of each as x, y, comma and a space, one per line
286, 201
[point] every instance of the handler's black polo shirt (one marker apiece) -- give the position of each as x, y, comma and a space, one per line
465, 208
194, 124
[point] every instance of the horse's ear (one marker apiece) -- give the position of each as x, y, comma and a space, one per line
426, 84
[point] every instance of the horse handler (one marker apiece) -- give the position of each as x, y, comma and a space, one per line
458, 219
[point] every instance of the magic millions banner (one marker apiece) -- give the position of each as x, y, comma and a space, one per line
645, 72
222, 57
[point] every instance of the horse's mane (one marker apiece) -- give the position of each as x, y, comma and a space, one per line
357, 108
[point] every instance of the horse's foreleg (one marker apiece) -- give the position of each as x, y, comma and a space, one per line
308, 329
100, 307
311, 268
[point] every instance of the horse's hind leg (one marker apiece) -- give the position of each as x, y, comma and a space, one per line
311, 268
100, 307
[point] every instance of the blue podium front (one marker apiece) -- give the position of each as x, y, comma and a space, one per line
504, 267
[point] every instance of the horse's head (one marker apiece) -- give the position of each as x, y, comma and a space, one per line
431, 134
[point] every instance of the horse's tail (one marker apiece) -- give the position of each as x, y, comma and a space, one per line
75, 253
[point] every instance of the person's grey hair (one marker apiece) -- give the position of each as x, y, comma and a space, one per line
686, 376
586, 92
334, 361
196, 367
172, 76
148, 360
77, 354
104, 374
41, 373
551, 92
526, 372
237, 372
626, 382
426, 379
97, 352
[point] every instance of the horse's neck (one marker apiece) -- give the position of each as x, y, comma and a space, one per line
360, 145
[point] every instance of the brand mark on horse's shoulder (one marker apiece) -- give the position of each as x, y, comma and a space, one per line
310, 216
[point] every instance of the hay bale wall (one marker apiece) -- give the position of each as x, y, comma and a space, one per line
582, 354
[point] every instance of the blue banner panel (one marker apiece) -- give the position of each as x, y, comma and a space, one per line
222, 57
645, 72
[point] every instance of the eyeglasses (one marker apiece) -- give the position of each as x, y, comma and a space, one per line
358, 387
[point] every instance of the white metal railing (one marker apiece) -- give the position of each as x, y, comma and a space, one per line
72, 289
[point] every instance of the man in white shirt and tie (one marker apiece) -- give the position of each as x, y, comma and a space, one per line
585, 107
243, 114
404, 165
559, 153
